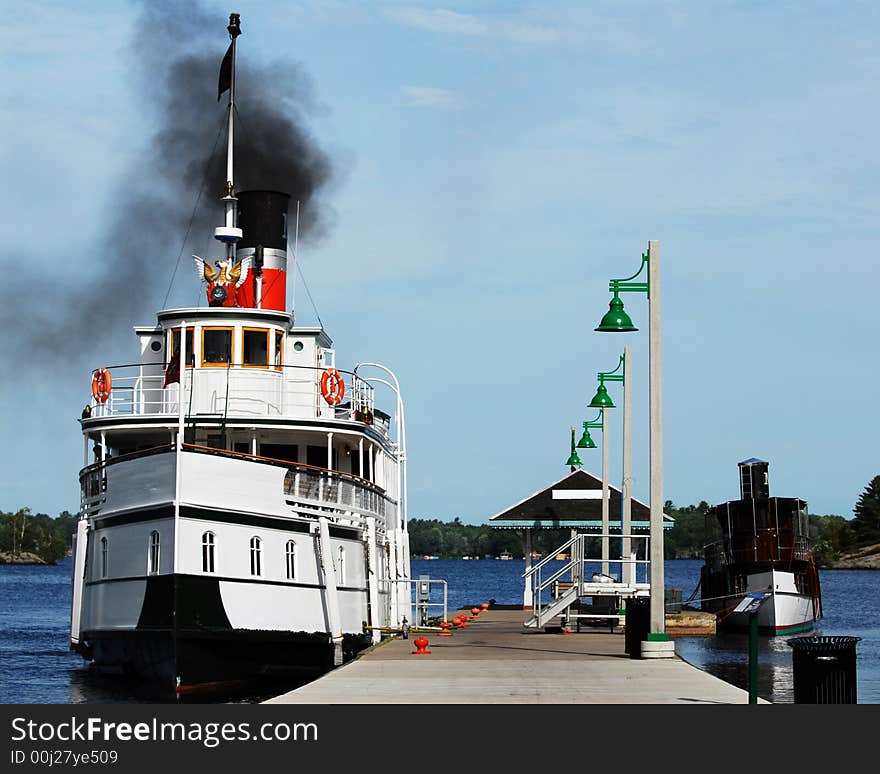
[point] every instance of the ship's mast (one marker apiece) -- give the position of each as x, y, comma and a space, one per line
229, 233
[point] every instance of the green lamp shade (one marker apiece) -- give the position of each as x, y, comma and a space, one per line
574, 460
586, 441
616, 320
602, 399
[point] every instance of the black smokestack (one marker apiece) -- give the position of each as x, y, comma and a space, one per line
176, 54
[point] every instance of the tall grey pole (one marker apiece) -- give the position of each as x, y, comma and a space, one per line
606, 496
628, 574
658, 612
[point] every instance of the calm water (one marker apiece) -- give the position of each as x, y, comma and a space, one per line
38, 667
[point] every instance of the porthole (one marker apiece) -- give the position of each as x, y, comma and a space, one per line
298, 345
156, 346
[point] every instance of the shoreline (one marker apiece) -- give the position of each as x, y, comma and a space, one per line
24, 559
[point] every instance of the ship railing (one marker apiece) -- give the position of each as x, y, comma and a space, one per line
93, 478
93, 488
719, 554
344, 491
322, 488
337, 495
272, 391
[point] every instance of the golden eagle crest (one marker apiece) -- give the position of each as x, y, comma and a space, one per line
223, 278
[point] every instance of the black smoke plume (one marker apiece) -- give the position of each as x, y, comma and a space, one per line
175, 60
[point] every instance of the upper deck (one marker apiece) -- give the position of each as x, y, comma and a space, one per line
239, 364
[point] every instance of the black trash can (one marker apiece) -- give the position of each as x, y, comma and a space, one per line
638, 624
824, 669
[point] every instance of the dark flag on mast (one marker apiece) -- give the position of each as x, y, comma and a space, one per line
225, 82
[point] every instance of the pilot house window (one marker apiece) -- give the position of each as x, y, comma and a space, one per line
175, 345
279, 352
216, 346
256, 347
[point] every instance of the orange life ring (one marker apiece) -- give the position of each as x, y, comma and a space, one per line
332, 386
102, 383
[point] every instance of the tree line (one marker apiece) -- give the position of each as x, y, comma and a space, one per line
23, 532
833, 535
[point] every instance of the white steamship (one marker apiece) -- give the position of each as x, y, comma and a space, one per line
243, 508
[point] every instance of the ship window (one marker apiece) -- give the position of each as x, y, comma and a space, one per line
105, 558
256, 551
155, 345
175, 345
298, 346
216, 346
291, 560
153, 561
256, 347
340, 566
279, 351
208, 552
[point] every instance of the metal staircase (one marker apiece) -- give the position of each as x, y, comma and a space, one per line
575, 572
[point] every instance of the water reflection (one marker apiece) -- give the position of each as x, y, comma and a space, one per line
88, 686
726, 656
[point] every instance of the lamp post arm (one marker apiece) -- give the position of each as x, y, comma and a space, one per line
613, 376
626, 285
596, 424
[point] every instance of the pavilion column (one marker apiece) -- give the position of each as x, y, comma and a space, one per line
527, 553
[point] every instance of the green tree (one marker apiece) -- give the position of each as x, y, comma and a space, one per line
866, 524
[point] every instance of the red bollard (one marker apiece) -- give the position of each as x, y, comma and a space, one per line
462, 621
444, 625
421, 644
485, 606
474, 613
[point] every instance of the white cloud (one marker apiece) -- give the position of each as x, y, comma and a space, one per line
453, 23
437, 99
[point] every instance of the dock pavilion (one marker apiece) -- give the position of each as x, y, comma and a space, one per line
573, 502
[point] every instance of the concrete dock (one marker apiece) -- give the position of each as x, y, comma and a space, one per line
496, 660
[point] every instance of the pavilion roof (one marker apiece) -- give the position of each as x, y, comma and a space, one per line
575, 501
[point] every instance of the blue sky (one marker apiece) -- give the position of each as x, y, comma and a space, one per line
497, 163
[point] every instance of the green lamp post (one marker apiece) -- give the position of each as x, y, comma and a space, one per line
616, 320
586, 441
573, 460
602, 400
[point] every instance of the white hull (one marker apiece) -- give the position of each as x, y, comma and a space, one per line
310, 593
784, 611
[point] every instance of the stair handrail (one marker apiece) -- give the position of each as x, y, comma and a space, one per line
575, 564
547, 558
